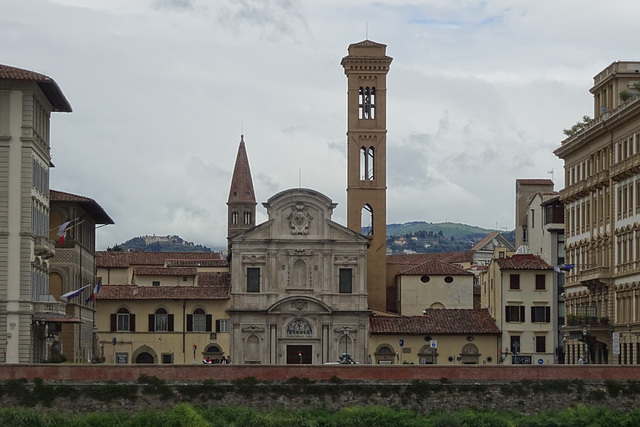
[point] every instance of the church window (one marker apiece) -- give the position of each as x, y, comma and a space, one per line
367, 102
234, 217
253, 279
366, 220
346, 281
247, 217
366, 163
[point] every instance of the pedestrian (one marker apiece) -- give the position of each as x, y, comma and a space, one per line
228, 360
223, 361
581, 361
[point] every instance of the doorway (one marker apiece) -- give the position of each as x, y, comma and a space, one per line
299, 355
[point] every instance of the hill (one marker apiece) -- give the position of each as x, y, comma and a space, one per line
411, 237
427, 237
159, 244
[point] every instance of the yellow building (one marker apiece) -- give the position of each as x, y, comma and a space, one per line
439, 337
517, 290
162, 307
602, 223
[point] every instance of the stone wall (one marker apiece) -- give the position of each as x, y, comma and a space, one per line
100, 388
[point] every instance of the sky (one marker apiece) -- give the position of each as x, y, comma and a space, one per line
479, 93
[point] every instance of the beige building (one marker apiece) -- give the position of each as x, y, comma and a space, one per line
162, 307
299, 293
439, 337
602, 223
434, 284
27, 100
73, 267
517, 290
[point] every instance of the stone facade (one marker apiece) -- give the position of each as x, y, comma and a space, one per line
299, 291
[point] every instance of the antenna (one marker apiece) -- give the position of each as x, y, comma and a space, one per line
366, 30
299, 177
551, 172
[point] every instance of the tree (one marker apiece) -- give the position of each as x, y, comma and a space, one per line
579, 126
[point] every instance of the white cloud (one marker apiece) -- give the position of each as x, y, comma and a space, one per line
479, 92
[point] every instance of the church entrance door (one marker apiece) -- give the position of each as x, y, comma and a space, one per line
298, 354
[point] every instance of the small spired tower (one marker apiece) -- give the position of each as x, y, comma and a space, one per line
366, 68
241, 205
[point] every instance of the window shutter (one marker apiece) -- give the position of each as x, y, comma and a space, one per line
170, 316
522, 313
507, 314
152, 323
189, 322
548, 314
208, 320
114, 322
217, 325
132, 322
533, 314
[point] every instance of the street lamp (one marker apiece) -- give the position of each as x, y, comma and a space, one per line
346, 331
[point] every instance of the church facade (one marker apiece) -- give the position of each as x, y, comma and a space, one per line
299, 293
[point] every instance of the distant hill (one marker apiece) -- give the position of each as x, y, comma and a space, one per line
159, 244
427, 237
411, 237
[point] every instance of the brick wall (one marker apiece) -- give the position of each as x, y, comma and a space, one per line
100, 372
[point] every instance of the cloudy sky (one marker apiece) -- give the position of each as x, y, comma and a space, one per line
478, 95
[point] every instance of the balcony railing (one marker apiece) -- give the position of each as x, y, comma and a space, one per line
44, 247
626, 168
49, 307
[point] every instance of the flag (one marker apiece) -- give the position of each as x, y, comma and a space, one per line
95, 291
62, 231
72, 294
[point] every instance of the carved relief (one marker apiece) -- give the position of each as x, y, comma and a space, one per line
253, 259
299, 219
299, 304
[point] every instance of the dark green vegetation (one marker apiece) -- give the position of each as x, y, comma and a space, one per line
194, 416
172, 244
425, 237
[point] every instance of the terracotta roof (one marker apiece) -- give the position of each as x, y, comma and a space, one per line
523, 262
241, 190
48, 86
196, 263
88, 205
484, 241
417, 259
445, 321
211, 278
133, 292
125, 259
162, 271
436, 268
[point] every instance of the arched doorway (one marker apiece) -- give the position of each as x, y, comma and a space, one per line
144, 358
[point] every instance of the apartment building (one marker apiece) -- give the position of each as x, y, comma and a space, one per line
601, 200
27, 100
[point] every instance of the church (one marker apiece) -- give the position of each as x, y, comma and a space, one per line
302, 285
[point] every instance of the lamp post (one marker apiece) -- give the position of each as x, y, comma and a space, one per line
346, 331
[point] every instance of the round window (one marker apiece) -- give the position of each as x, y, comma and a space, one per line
448, 279
424, 279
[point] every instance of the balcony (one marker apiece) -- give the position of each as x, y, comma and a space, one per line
574, 192
44, 247
50, 308
626, 168
599, 180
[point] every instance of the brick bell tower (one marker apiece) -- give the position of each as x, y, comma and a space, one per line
241, 205
366, 68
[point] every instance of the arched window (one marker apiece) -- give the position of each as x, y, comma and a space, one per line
384, 355
123, 321
366, 220
234, 218
366, 163
470, 354
367, 102
253, 349
427, 355
247, 217
161, 321
199, 321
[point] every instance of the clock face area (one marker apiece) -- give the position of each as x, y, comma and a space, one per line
299, 328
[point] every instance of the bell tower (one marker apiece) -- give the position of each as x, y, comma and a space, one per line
241, 205
366, 68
